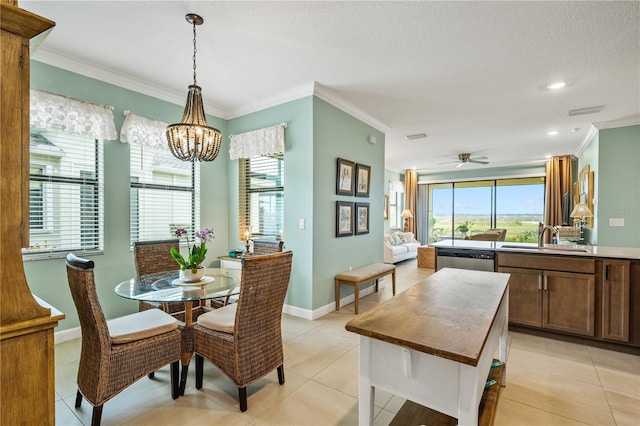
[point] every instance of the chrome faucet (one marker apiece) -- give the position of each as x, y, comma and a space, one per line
541, 229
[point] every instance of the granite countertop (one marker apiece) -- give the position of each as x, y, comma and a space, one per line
555, 249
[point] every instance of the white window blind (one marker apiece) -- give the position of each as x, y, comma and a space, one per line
261, 196
165, 191
66, 194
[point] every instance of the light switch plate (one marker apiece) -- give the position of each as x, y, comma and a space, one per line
301, 223
616, 221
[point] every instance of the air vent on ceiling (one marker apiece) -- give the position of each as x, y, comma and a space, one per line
416, 136
587, 110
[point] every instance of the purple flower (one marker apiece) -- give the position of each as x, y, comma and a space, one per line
181, 232
205, 235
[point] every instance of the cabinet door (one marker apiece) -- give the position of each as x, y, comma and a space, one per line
525, 303
615, 299
569, 302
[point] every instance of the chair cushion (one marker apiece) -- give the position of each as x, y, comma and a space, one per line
140, 325
221, 319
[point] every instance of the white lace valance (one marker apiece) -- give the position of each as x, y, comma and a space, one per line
55, 112
140, 130
269, 140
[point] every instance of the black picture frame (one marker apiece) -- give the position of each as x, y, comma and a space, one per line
362, 218
345, 177
363, 180
344, 218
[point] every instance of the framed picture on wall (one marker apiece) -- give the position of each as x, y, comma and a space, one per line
363, 180
362, 218
345, 177
344, 218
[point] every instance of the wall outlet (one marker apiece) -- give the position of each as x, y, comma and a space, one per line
616, 221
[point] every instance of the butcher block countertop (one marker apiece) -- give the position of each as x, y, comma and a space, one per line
448, 314
551, 249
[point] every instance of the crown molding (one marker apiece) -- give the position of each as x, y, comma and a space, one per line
309, 89
327, 95
614, 124
73, 65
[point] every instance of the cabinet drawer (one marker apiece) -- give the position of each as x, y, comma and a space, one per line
548, 263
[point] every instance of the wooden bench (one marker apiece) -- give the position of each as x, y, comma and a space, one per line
363, 275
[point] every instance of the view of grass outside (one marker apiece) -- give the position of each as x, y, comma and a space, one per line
458, 210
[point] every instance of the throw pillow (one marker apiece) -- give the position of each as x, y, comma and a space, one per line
396, 239
407, 237
389, 239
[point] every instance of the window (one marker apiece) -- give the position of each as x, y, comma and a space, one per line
461, 209
164, 195
261, 196
65, 194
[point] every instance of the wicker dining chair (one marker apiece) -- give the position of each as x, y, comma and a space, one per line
261, 247
155, 256
118, 352
245, 339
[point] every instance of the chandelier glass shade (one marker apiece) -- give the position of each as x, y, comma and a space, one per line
192, 139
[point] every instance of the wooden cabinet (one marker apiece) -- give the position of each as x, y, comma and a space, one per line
615, 299
562, 301
26, 326
568, 302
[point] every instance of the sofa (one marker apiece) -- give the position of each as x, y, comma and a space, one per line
400, 246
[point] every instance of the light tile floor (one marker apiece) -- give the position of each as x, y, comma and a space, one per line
548, 383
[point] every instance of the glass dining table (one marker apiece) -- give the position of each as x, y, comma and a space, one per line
218, 284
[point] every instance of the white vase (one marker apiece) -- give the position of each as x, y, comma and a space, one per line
188, 276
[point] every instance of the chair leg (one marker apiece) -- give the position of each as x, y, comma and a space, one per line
151, 375
242, 396
199, 371
281, 374
97, 416
78, 399
175, 379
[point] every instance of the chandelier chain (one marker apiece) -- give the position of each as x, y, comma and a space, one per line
195, 82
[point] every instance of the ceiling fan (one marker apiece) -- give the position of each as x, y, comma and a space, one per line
466, 158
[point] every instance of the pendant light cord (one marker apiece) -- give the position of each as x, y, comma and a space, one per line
195, 82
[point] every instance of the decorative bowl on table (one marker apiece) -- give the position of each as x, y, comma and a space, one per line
235, 253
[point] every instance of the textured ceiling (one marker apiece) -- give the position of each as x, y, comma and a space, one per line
472, 75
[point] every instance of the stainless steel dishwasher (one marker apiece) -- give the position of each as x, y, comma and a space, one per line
477, 260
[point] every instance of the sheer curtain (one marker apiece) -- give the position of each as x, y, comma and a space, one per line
423, 214
411, 198
267, 141
559, 181
49, 111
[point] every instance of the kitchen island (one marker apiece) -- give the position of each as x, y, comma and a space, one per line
434, 343
583, 294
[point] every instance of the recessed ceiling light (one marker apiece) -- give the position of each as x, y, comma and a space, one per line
552, 133
557, 85
416, 136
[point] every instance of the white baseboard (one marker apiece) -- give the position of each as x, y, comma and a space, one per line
74, 333
66, 335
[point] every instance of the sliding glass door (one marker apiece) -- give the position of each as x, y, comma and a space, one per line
457, 210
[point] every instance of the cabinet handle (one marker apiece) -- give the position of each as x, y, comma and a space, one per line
545, 284
539, 282
606, 272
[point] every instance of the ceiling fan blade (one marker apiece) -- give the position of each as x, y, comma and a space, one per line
478, 158
473, 160
460, 165
449, 162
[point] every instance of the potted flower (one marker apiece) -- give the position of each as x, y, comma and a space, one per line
191, 269
464, 227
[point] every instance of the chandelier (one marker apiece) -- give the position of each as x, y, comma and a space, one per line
192, 139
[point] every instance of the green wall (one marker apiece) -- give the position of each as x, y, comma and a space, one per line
336, 134
298, 181
617, 186
481, 173
47, 278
